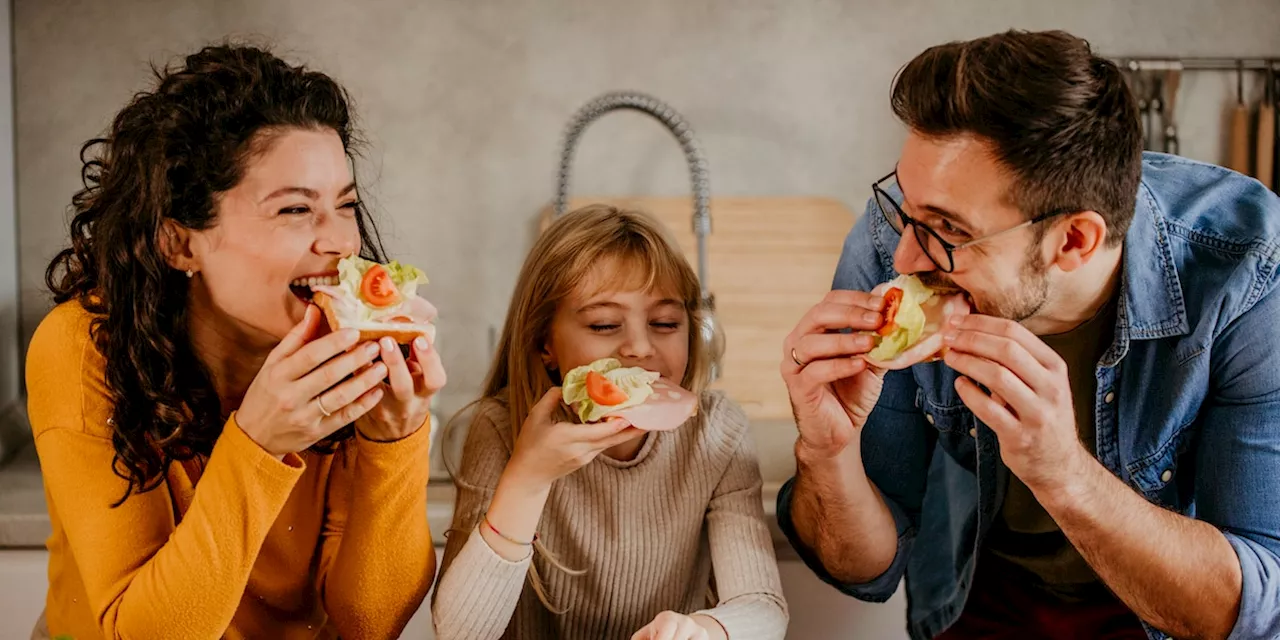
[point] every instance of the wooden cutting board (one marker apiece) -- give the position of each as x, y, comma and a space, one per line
769, 260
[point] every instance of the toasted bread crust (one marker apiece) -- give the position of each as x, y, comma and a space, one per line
401, 336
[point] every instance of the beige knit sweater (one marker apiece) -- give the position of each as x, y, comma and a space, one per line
681, 527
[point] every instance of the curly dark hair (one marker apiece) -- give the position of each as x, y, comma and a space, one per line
169, 154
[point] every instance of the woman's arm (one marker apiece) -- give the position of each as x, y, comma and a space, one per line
751, 604
377, 560
144, 576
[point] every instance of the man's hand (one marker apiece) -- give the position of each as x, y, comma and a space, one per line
1027, 401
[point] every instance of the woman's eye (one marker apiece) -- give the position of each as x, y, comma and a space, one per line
295, 210
352, 206
603, 328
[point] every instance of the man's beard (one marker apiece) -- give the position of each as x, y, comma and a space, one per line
1024, 301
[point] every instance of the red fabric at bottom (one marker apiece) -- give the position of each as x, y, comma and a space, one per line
1003, 606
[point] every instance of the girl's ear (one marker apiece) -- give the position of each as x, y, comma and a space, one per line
548, 356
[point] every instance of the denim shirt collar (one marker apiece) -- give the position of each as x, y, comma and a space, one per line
1151, 306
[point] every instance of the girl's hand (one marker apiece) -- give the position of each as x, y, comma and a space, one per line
674, 626
302, 394
546, 451
407, 391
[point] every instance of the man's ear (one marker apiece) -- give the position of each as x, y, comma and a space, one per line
1080, 238
175, 246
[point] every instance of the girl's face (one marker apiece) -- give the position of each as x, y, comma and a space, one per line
648, 329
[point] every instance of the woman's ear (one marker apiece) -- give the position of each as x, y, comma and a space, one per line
175, 246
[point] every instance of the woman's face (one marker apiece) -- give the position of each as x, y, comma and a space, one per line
291, 217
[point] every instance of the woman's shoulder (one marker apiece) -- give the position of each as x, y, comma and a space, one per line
64, 368
65, 330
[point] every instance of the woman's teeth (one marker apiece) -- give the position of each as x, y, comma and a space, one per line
314, 281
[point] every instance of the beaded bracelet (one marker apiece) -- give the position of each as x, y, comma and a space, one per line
508, 538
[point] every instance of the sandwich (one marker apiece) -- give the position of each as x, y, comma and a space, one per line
380, 300
605, 389
911, 323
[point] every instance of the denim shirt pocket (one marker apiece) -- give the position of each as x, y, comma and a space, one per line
1163, 475
955, 424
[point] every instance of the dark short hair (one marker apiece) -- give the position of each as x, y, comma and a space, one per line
1061, 118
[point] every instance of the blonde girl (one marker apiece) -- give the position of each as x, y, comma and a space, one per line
597, 531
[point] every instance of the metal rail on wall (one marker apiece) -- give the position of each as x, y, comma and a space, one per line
1155, 82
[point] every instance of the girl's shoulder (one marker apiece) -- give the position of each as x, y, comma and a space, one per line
721, 424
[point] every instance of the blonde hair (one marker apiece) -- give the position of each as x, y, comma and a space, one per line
559, 263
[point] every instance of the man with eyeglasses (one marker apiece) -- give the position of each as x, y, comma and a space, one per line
1098, 453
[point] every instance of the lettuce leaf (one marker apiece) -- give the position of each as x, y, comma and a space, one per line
910, 319
636, 382
351, 270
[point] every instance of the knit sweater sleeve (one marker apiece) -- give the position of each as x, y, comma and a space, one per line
751, 604
478, 589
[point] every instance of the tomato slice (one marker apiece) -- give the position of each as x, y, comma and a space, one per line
603, 392
377, 288
889, 312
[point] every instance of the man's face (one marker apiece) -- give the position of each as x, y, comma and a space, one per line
955, 187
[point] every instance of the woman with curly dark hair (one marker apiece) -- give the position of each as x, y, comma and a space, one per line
216, 464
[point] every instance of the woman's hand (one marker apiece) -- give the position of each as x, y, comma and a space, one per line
546, 451
674, 626
407, 391
302, 392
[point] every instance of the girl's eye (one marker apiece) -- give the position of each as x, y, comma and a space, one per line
669, 326
602, 328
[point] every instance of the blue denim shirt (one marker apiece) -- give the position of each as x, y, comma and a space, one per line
1187, 406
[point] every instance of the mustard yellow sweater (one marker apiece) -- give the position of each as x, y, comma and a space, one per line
235, 545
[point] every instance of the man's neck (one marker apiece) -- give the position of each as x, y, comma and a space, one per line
1078, 296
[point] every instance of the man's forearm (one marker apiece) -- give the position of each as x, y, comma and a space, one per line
1178, 574
839, 514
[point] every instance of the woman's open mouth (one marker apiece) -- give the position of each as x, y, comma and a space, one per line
301, 287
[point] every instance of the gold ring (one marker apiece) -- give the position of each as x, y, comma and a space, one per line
320, 403
796, 359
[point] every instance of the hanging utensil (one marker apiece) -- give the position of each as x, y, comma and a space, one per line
1172, 78
712, 333
1239, 153
1155, 124
1265, 162
1138, 84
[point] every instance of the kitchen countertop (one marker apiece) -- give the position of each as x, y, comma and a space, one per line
24, 518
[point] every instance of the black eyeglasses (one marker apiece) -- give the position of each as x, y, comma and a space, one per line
939, 251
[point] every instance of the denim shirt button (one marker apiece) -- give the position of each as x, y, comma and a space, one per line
973, 432
928, 418
1109, 398
1167, 475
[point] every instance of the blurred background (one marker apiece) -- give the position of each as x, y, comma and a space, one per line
464, 106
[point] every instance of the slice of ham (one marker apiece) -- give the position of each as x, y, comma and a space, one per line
669, 407
938, 311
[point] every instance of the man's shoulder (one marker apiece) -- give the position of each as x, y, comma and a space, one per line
867, 257
1209, 205
1222, 231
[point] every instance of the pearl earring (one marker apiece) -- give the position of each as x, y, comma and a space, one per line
190, 273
